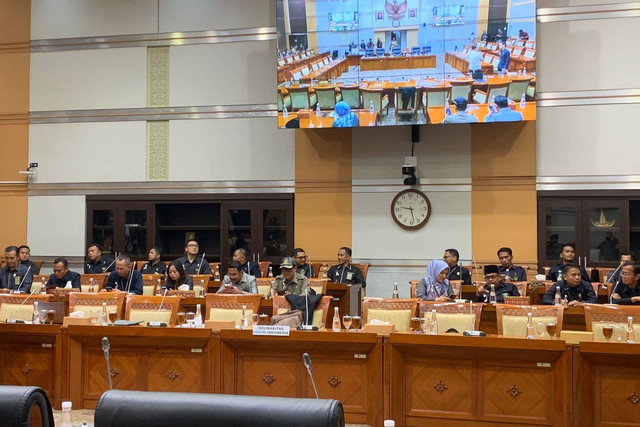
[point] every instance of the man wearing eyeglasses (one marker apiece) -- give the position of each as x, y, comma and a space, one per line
300, 256
191, 262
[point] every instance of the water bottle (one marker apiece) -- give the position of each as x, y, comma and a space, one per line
198, 320
434, 323
201, 290
324, 272
91, 287
270, 271
631, 334
530, 331
524, 72
285, 113
447, 110
216, 276
318, 112
492, 294
336, 320
557, 300
522, 101
371, 109
103, 316
244, 323
36, 314
65, 419
395, 294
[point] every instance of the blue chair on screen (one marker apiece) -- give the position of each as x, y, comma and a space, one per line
426, 50
368, 53
396, 51
380, 51
415, 50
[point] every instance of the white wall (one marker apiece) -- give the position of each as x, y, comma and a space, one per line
215, 15
56, 225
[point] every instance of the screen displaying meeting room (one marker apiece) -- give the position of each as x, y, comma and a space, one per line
348, 63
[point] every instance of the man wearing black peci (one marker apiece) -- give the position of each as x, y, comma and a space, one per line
124, 279
192, 263
492, 277
344, 272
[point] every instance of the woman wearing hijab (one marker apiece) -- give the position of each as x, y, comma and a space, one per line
435, 286
344, 117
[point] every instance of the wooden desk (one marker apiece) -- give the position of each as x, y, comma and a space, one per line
436, 115
153, 359
454, 380
30, 355
346, 366
606, 384
397, 62
326, 121
461, 63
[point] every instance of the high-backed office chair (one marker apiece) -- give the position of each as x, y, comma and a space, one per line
38, 283
436, 96
597, 316
327, 97
398, 311
517, 88
301, 98
319, 285
151, 283
426, 50
380, 51
152, 308
98, 281
480, 97
459, 316
368, 53
320, 269
396, 51
215, 266
522, 287
283, 100
512, 319
415, 50
25, 406
18, 307
378, 98
460, 88
229, 307
364, 268
264, 268
264, 286
320, 313
351, 95
86, 302
200, 281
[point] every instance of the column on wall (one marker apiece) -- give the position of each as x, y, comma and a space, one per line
504, 212
15, 29
323, 191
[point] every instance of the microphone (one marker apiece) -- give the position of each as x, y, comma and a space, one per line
615, 271
475, 266
202, 261
105, 349
109, 266
307, 364
23, 277
613, 291
130, 277
162, 301
25, 300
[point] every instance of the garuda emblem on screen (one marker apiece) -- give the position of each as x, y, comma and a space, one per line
395, 11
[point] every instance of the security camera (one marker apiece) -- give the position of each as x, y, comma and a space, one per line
410, 172
32, 170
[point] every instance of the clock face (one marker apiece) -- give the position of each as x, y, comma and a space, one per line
410, 209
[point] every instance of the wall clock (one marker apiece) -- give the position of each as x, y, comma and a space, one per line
411, 209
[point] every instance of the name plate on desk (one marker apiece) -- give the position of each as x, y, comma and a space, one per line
280, 331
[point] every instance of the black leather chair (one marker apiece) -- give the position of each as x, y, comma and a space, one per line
17, 402
123, 408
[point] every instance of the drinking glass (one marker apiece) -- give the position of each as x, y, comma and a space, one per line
551, 329
356, 322
264, 319
607, 331
424, 324
191, 318
43, 316
540, 329
181, 318
255, 319
51, 314
346, 321
414, 325
94, 315
113, 316
618, 333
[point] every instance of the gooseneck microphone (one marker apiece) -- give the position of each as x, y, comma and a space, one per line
105, 349
307, 363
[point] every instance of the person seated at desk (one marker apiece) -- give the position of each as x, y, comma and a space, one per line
344, 272
249, 267
177, 276
435, 286
62, 276
191, 262
13, 275
237, 281
302, 266
523, 35
573, 289
461, 115
345, 118
456, 272
510, 272
97, 263
567, 255
492, 277
289, 281
627, 292
124, 278
624, 257
24, 252
505, 113
154, 266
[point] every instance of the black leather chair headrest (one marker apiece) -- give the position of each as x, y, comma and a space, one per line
16, 403
141, 408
